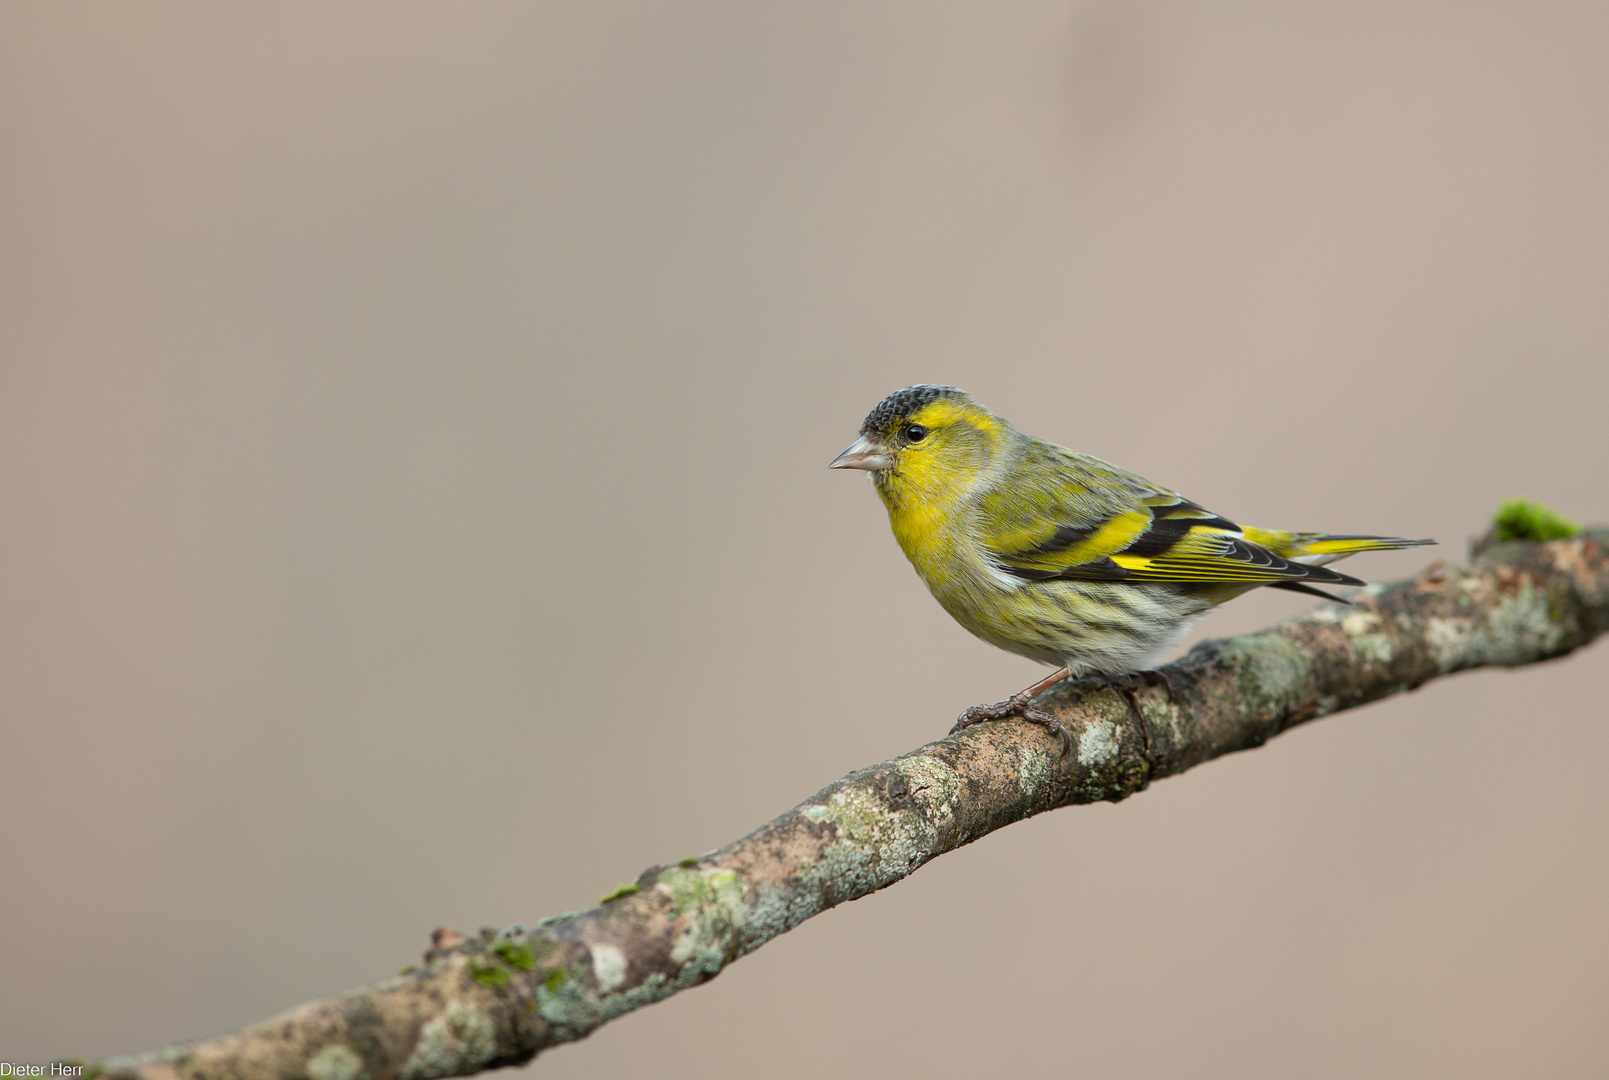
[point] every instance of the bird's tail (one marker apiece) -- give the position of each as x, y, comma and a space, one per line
1316, 549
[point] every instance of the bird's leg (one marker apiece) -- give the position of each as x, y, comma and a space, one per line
1021, 704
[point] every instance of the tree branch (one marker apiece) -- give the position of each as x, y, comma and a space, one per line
499, 999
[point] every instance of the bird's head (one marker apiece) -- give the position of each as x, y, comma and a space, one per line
929, 443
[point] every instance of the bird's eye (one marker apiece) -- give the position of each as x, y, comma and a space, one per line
915, 433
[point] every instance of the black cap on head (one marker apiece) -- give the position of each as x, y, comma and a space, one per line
902, 403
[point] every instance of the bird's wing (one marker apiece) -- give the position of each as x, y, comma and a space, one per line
1065, 516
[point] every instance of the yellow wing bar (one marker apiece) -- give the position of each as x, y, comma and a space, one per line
1183, 544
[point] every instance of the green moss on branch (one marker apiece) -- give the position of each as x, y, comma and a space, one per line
1522, 519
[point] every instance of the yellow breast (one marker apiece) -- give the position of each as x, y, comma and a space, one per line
929, 539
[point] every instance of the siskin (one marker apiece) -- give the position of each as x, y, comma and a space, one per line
1058, 556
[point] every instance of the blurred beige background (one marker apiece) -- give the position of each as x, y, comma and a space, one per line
414, 509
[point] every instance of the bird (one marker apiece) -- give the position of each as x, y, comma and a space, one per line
1062, 557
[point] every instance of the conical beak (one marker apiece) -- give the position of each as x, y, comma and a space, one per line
868, 454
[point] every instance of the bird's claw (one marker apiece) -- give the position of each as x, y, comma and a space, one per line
1157, 678
1124, 686
1019, 705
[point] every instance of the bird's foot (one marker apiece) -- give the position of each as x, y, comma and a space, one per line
1019, 704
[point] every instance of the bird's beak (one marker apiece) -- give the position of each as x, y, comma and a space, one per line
868, 454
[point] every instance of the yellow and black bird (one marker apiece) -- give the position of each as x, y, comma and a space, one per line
1059, 556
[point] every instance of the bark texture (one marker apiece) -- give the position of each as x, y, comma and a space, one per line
499, 999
